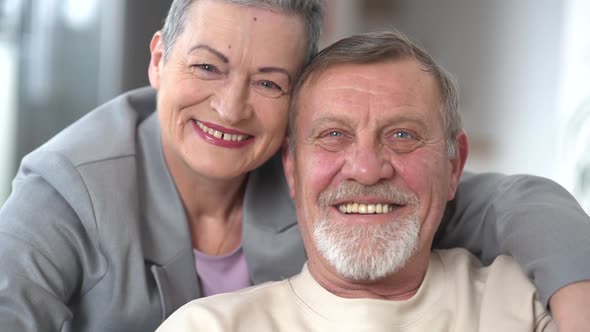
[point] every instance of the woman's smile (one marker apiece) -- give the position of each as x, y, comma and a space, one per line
221, 136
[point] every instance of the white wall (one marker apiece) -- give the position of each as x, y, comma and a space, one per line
7, 116
506, 56
574, 147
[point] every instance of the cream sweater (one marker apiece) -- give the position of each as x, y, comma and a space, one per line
457, 295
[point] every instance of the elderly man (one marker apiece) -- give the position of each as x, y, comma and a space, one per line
376, 149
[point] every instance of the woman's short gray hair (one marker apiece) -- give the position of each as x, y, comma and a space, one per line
312, 11
375, 47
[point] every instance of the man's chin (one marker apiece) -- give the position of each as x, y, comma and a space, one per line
367, 252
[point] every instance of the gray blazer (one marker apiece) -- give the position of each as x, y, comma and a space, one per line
94, 235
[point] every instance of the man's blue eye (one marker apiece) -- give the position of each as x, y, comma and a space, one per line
402, 135
334, 133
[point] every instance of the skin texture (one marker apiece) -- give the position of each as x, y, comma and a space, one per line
371, 124
570, 305
222, 72
210, 178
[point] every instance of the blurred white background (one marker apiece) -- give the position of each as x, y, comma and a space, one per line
523, 68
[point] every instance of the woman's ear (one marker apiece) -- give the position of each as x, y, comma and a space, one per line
157, 60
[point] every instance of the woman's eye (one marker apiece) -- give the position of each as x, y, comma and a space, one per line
270, 85
207, 67
206, 71
269, 88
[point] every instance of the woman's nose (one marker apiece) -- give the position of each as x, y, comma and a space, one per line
231, 101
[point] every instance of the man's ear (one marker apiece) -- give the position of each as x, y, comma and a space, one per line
157, 60
289, 165
458, 163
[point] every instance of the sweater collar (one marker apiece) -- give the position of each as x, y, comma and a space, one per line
372, 313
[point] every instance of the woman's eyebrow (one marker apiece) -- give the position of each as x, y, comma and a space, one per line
224, 58
275, 70
206, 47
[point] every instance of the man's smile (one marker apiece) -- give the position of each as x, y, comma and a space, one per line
363, 208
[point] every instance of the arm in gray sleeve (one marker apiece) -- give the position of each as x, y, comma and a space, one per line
531, 218
44, 254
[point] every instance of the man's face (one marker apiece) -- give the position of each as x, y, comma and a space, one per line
370, 173
221, 93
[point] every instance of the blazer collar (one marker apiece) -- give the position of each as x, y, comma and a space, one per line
267, 204
165, 230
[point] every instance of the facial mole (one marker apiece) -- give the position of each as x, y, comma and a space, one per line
255, 19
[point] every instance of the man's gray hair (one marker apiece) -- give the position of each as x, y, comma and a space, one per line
312, 11
377, 47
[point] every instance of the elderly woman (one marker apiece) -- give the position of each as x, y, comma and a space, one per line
130, 213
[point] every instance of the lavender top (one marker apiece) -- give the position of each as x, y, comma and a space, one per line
222, 274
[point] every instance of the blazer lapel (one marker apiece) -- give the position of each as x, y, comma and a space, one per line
271, 240
165, 234
176, 282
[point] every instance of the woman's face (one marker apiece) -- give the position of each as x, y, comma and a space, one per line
223, 93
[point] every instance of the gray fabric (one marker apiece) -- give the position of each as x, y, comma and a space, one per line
94, 236
531, 218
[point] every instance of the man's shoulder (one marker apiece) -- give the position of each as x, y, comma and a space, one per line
262, 294
499, 293
255, 306
459, 261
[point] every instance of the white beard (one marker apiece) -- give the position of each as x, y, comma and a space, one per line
367, 252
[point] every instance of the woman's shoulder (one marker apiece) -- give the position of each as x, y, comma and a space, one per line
106, 132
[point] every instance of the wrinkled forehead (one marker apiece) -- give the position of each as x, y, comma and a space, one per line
387, 83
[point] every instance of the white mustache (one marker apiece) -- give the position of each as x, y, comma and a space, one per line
384, 191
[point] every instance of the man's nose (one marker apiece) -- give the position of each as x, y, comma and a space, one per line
231, 101
368, 163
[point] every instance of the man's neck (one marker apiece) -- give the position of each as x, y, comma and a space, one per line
401, 285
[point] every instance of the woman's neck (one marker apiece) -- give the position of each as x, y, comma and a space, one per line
211, 198
204, 196
213, 207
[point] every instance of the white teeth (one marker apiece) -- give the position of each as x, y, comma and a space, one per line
362, 208
221, 135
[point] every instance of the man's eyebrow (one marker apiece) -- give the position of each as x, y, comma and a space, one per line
341, 119
275, 70
211, 50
